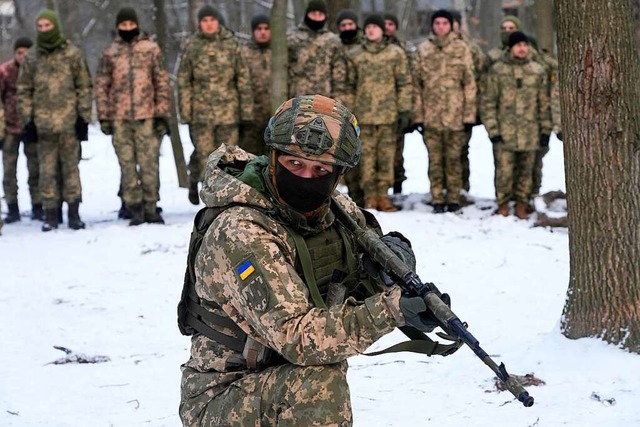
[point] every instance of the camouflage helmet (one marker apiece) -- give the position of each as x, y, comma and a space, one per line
317, 128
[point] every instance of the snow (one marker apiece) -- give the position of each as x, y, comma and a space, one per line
111, 290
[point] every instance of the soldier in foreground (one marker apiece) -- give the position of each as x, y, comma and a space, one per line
54, 100
278, 284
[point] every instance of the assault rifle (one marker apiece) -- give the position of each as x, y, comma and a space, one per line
391, 264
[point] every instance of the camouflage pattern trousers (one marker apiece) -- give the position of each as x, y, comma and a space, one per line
514, 171
138, 151
58, 156
10, 165
445, 167
252, 139
399, 175
284, 396
537, 169
376, 164
206, 138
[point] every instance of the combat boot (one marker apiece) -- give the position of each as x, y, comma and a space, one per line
137, 215
75, 223
50, 220
193, 193
453, 207
151, 214
521, 210
385, 205
371, 203
14, 213
37, 214
123, 212
503, 209
438, 208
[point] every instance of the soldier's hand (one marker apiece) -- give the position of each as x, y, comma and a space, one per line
468, 127
544, 140
106, 127
82, 129
161, 126
1, 144
496, 139
417, 126
404, 121
415, 313
30, 132
559, 136
401, 246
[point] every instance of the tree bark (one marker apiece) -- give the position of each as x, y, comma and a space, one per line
279, 54
489, 23
545, 24
600, 101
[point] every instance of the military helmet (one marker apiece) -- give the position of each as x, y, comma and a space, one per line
317, 128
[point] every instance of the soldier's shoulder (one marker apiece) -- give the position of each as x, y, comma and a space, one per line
354, 51
7, 66
328, 37
536, 67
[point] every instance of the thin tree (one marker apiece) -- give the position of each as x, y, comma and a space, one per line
279, 53
544, 24
600, 101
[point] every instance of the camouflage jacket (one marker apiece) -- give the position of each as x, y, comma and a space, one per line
515, 104
445, 86
408, 48
8, 92
54, 89
380, 80
268, 300
477, 55
316, 63
132, 82
550, 63
258, 60
214, 84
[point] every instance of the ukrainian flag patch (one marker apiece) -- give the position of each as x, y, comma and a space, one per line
245, 270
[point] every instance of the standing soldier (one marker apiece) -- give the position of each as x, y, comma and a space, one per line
214, 89
54, 99
508, 25
316, 58
347, 23
13, 135
380, 77
516, 113
445, 103
257, 56
132, 94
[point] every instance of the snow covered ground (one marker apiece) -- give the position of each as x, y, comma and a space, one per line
112, 290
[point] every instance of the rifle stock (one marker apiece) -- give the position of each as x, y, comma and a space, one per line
407, 279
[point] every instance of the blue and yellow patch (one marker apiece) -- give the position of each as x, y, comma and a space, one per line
245, 269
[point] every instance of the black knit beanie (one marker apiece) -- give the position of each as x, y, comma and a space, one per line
442, 13
257, 20
209, 11
346, 14
126, 14
22, 42
316, 6
457, 16
374, 19
393, 18
517, 37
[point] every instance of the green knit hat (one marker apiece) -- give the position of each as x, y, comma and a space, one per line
513, 19
49, 40
49, 15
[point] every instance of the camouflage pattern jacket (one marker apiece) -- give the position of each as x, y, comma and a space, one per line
214, 84
8, 92
132, 83
380, 80
258, 61
408, 48
445, 86
477, 56
246, 265
54, 89
516, 103
316, 63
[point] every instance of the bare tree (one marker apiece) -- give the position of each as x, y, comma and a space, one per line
488, 23
544, 24
279, 53
600, 101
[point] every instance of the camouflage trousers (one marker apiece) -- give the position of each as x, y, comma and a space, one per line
464, 159
10, 165
445, 167
537, 169
206, 138
58, 156
376, 163
399, 175
513, 175
252, 140
353, 182
284, 396
138, 150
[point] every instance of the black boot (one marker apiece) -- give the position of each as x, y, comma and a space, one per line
50, 220
193, 193
37, 214
75, 223
124, 213
151, 214
14, 213
137, 215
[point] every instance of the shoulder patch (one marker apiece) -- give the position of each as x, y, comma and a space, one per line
253, 287
245, 270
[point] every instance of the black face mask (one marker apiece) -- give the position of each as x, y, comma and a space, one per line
314, 25
304, 194
129, 35
348, 36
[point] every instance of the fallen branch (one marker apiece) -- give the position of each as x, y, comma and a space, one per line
76, 357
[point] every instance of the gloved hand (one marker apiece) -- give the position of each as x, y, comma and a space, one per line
1, 144
404, 121
559, 136
161, 126
82, 129
246, 127
544, 140
496, 139
415, 312
401, 246
106, 127
30, 133
468, 127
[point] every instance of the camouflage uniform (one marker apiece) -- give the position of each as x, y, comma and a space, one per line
272, 305
515, 105
380, 78
445, 100
215, 94
132, 88
258, 60
54, 90
316, 63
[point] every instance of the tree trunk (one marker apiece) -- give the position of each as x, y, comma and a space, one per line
279, 54
193, 6
544, 24
489, 23
600, 101
333, 7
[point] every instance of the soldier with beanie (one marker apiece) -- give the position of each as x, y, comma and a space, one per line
214, 92
508, 25
54, 101
13, 135
445, 103
316, 58
347, 23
